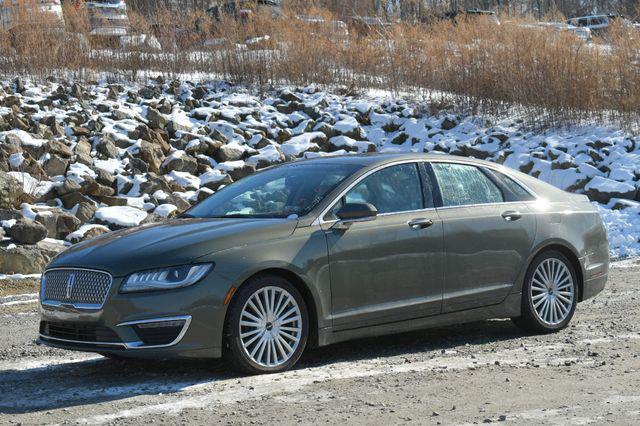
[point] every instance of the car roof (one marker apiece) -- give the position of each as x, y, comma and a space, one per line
376, 159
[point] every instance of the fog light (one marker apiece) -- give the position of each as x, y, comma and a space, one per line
161, 324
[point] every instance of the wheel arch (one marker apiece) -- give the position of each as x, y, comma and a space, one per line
569, 253
298, 282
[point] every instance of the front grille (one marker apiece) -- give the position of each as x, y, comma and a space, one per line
78, 332
76, 287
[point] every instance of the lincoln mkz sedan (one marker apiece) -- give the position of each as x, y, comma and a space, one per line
319, 251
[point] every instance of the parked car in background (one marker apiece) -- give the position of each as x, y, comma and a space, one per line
457, 16
489, 14
583, 33
109, 25
244, 9
338, 30
317, 252
108, 19
598, 24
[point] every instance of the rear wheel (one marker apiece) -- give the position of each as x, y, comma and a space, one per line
549, 294
267, 326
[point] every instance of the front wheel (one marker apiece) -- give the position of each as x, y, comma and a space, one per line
266, 327
549, 294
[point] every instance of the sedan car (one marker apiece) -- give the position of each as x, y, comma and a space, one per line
320, 251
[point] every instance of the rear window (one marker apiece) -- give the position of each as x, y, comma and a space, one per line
518, 192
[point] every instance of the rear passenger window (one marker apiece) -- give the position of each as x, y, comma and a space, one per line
462, 185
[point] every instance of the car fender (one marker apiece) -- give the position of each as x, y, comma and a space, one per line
302, 258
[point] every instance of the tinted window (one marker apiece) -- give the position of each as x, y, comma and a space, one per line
391, 190
292, 189
461, 185
514, 187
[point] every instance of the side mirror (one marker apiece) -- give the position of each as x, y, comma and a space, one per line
355, 212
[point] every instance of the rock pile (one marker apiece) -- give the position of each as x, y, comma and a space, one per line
77, 161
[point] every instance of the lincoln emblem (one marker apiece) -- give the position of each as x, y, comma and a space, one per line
70, 283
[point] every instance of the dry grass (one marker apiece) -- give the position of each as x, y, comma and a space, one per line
478, 65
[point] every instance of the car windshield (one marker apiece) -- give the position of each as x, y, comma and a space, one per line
280, 192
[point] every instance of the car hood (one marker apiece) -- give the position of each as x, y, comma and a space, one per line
172, 243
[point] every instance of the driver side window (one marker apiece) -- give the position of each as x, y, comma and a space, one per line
394, 189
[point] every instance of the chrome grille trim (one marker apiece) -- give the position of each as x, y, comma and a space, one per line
89, 288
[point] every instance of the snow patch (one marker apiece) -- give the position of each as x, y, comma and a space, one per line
125, 216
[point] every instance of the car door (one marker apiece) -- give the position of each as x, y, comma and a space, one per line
388, 269
488, 234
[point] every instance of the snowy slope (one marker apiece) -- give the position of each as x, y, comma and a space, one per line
120, 156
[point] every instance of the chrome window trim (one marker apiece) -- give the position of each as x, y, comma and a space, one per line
506, 203
137, 344
498, 168
85, 306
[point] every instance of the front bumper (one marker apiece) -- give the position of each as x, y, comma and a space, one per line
180, 323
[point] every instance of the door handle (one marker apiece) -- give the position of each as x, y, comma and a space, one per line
511, 216
420, 223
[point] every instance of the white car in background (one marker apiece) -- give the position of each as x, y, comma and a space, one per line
110, 25
108, 18
583, 33
598, 23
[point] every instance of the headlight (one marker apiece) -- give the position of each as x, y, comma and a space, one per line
165, 279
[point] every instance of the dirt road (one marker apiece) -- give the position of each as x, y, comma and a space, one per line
475, 373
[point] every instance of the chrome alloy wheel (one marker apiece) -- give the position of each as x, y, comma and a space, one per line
552, 291
270, 326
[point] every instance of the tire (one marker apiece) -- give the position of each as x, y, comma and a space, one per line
561, 296
265, 342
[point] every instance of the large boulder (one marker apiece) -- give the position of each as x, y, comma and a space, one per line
86, 232
27, 232
155, 119
21, 259
83, 147
237, 169
85, 211
118, 217
152, 155
179, 161
31, 259
107, 148
602, 190
56, 166
229, 153
93, 188
11, 191
59, 224
59, 148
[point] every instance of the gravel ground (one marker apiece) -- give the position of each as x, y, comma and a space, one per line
476, 373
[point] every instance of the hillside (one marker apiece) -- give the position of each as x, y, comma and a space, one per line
77, 161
